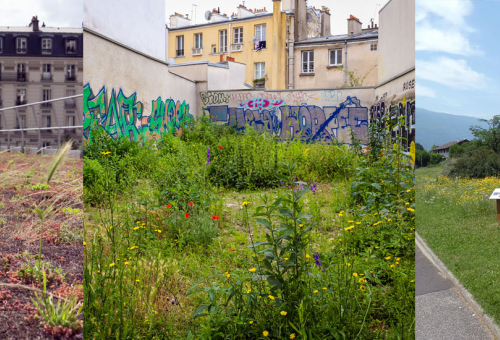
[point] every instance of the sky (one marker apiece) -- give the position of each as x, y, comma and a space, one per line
457, 68
339, 9
55, 13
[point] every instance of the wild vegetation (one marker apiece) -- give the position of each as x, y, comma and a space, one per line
221, 235
41, 259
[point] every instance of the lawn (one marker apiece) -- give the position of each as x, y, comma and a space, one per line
23, 189
217, 235
458, 221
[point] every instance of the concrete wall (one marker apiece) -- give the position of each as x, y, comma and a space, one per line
139, 25
136, 96
327, 115
396, 39
360, 60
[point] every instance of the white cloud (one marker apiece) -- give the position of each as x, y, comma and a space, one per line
452, 11
55, 13
423, 91
453, 73
429, 38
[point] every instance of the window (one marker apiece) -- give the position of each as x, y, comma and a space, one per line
21, 97
260, 32
46, 72
46, 95
70, 72
0, 103
373, 47
21, 72
260, 70
21, 122
21, 45
335, 57
1, 45
70, 46
46, 121
70, 121
308, 62
214, 49
46, 46
70, 102
180, 46
222, 41
198, 40
238, 35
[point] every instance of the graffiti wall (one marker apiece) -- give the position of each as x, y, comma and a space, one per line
123, 116
321, 115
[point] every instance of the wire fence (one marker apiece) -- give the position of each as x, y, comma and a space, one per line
32, 136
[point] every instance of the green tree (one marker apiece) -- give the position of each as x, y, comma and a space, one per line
419, 147
489, 137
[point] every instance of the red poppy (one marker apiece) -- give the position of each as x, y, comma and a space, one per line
231, 250
169, 206
191, 204
220, 147
186, 215
215, 217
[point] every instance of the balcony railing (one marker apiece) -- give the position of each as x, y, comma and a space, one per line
70, 50
179, 53
236, 47
69, 104
46, 76
197, 51
70, 77
49, 104
21, 50
21, 101
13, 77
46, 51
21, 76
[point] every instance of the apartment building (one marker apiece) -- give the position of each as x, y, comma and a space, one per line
39, 63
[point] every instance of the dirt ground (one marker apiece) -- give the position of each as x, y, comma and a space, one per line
22, 189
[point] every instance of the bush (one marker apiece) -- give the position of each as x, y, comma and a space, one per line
478, 164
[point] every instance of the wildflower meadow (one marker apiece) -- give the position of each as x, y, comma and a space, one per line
214, 234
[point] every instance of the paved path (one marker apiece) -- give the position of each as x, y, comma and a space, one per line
441, 311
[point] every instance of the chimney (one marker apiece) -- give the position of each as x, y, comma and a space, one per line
354, 26
325, 22
300, 20
34, 22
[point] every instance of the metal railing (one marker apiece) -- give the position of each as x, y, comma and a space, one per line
26, 132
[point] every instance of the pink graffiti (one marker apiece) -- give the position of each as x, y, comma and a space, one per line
299, 97
259, 103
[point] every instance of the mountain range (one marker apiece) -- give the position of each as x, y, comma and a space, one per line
437, 128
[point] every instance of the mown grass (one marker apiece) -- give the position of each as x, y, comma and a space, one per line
458, 221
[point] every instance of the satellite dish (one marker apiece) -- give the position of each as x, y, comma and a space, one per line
171, 61
208, 15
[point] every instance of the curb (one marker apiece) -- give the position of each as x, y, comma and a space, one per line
485, 319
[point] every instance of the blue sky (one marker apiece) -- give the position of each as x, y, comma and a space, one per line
458, 56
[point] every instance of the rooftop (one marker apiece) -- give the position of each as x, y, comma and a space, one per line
450, 144
28, 29
372, 34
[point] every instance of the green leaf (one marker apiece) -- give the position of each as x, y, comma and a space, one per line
259, 277
256, 244
264, 222
198, 311
273, 281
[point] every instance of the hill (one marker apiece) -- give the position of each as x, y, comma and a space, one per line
439, 128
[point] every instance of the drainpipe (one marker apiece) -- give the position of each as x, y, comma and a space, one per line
291, 57
345, 61
229, 41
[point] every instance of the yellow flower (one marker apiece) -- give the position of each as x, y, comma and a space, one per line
253, 270
409, 190
250, 322
349, 228
355, 274
362, 280
271, 297
286, 258
350, 221
377, 247
265, 333
249, 291
388, 258
84, 243
307, 256
228, 275
410, 209
362, 288
324, 288
137, 280
111, 264
392, 266
283, 313
245, 203
292, 336
138, 222
315, 291
301, 225
106, 153
126, 262
407, 203
348, 264
159, 231
358, 223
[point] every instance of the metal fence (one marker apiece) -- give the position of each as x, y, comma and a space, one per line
23, 133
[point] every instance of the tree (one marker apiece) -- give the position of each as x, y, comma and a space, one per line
489, 137
419, 147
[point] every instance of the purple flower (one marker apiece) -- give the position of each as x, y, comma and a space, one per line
313, 188
317, 258
208, 156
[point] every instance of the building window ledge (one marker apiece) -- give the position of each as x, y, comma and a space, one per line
263, 49
307, 74
329, 67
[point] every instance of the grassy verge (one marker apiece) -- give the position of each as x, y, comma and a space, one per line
457, 220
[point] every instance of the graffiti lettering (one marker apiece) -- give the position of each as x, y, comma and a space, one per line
259, 103
410, 84
331, 96
214, 98
299, 97
123, 116
307, 122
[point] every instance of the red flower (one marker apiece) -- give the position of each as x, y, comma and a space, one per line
191, 204
186, 215
169, 206
220, 147
231, 250
215, 217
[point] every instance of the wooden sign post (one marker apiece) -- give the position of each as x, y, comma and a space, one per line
496, 196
